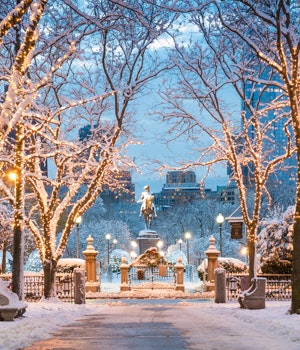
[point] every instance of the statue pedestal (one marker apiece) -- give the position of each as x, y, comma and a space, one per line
147, 239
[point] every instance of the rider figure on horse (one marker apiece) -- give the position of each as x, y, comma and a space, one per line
147, 201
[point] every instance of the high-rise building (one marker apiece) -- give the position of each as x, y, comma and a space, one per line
276, 140
122, 189
123, 192
180, 187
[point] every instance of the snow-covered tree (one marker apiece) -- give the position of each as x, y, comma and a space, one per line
243, 44
89, 64
14, 69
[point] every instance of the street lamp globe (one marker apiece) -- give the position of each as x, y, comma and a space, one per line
78, 220
134, 244
220, 219
187, 235
108, 236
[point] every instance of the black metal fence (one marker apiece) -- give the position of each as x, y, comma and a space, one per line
34, 286
152, 277
278, 287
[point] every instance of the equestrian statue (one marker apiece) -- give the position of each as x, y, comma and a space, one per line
147, 207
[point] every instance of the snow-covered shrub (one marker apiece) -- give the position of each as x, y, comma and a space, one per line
275, 243
33, 263
69, 264
172, 257
231, 265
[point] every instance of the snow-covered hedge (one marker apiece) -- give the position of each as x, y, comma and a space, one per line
231, 265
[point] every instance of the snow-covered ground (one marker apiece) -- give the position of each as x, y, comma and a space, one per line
42, 318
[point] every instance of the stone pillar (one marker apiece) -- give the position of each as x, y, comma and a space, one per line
212, 256
179, 275
91, 284
124, 276
79, 286
220, 279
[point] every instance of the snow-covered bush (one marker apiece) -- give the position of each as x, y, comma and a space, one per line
172, 257
69, 264
275, 243
231, 265
33, 263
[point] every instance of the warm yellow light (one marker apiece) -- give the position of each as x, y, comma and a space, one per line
12, 176
244, 251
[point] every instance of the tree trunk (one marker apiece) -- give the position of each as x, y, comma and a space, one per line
18, 241
49, 267
295, 307
3, 263
252, 256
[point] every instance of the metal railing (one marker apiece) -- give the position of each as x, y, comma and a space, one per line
278, 287
152, 277
34, 286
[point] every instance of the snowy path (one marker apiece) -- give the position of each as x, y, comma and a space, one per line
121, 325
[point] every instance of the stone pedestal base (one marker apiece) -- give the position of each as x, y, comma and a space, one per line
92, 287
124, 287
209, 287
147, 239
179, 287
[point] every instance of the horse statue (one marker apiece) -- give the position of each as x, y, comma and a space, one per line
147, 208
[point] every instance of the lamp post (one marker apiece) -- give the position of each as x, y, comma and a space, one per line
115, 243
220, 220
78, 221
188, 237
179, 242
108, 237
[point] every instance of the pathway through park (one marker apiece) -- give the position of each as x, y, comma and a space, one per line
160, 324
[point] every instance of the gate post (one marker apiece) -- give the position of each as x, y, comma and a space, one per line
212, 258
179, 276
91, 284
124, 276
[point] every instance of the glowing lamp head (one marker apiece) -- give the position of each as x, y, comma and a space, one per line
220, 219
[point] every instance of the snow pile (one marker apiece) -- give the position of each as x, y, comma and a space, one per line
38, 322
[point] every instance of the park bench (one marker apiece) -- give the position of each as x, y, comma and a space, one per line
254, 297
10, 305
